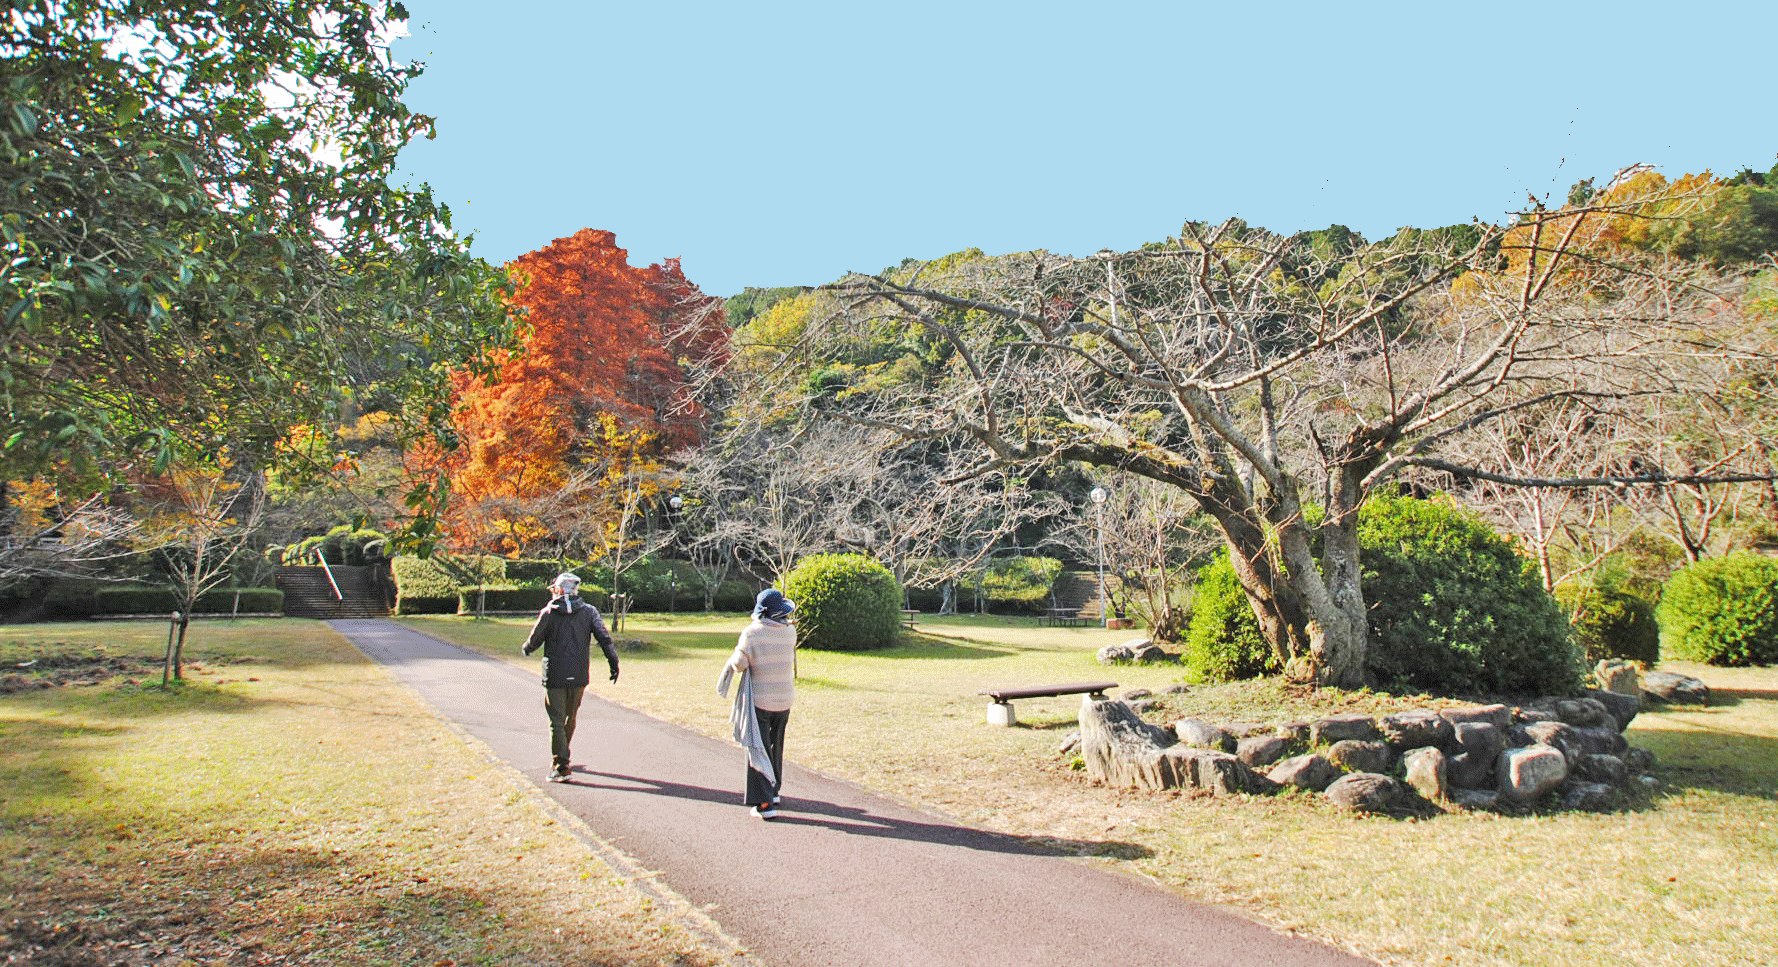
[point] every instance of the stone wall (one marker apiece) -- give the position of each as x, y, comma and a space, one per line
1566, 752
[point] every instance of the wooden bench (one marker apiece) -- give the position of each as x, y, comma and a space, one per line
908, 618
1001, 712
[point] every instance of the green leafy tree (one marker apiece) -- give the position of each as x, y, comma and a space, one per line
202, 249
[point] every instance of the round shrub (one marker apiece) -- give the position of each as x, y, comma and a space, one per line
1612, 623
1455, 608
1722, 611
1223, 642
844, 602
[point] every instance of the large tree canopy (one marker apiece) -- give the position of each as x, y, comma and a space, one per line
200, 245
1277, 381
592, 397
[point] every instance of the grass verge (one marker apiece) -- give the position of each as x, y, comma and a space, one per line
1691, 879
288, 803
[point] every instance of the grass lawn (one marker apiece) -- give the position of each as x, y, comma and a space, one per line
1691, 879
289, 803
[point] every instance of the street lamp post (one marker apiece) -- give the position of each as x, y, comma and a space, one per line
1098, 496
674, 504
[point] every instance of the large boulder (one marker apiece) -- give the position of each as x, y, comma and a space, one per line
1498, 716
1216, 772
1472, 770
1598, 767
1336, 728
1312, 772
1410, 730
1112, 654
1619, 677
1623, 707
1680, 689
1595, 797
1358, 755
1426, 771
1573, 741
1529, 773
1119, 748
1365, 792
1261, 750
1202, 735
1587, 713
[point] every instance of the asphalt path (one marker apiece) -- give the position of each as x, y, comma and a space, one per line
844, 877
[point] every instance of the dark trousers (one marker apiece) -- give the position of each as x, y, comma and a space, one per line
771, 732
562, 704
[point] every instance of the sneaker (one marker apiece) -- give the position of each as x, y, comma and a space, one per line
765, 812
558, 777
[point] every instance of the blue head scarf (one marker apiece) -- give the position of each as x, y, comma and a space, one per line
773, 605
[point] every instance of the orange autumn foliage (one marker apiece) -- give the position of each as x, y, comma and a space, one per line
603, 347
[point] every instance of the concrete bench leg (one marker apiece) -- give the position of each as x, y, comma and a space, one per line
1001, 713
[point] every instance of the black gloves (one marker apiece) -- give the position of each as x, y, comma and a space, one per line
614, 674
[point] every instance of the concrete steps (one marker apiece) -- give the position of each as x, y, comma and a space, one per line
307, 593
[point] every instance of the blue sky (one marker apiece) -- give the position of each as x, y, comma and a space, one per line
786, 143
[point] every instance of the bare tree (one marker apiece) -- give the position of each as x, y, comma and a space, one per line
1261, 375
199, 522
44, 535
1153, 538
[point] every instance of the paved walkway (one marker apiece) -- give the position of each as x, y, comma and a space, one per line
844, 878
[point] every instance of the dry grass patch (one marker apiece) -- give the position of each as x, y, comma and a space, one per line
1690, 879
289, 803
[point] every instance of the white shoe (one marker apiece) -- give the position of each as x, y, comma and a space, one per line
765, 812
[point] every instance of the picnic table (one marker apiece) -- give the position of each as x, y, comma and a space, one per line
1062, 617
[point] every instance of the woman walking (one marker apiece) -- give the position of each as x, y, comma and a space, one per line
764, 657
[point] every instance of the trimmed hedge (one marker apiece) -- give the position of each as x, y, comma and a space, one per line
507, 597
1722, 611
844, 602
89, 600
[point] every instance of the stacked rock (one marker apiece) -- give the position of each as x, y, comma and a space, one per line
1568, 752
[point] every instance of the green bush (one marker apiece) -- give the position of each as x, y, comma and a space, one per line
1453, 608
1611, 623
1722, 611
844, 602
1223, 642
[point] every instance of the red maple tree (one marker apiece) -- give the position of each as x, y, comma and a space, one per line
601, 365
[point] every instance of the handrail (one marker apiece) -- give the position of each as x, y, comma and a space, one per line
337, 596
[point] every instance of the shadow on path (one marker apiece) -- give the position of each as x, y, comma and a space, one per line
863, 822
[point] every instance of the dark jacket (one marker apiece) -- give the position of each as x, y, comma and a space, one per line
564, 630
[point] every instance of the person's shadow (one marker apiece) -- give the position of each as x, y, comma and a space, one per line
862, 822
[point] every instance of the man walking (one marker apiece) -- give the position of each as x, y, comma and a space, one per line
564, 630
